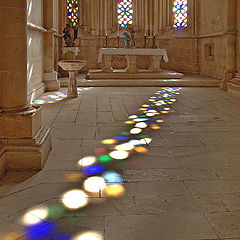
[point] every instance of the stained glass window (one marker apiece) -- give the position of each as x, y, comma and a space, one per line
180, 13
72, 11
125, 12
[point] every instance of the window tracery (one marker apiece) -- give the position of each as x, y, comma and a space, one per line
125, 12
180, 13
72, 12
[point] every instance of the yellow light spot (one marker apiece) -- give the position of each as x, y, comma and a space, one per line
160, 120
115, 190
141, 149
151, 100
129, 122
109, 141
164, 112
142, 109
155, 127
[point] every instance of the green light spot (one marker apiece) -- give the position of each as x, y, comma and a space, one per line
143, 136
125, 133
55, 211
104, 158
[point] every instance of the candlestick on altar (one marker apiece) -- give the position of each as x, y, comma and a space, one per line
106, 42
154, 42
118, 41
145, 41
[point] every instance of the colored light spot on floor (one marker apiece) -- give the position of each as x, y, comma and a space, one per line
93, 170
141, 149
124, 147
104, 158
100, 150
109, 141
94, 184
112, 177
75, 199
55, 211
129, 122
35, 215
42, 230
155, 127
135, 130
121, 138
91, 235
141, 125
87, 161
115, 190
119, 155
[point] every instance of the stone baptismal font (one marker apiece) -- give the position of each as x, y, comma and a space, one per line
71, 65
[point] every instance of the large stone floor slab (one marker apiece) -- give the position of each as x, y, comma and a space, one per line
186, 187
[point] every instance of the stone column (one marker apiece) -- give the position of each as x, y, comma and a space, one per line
50, 75
24, 142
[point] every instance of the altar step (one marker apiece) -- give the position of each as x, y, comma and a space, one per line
142, 74
187, 81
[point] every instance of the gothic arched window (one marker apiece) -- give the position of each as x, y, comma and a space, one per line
72, 11
180, 13
125, 12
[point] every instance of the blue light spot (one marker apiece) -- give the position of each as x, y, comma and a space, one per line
112, 177
121, 138
94, 169
63, 236
151, 122
40, 231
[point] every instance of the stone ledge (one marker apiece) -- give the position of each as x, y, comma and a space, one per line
234, 90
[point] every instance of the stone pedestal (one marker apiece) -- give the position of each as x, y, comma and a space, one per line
72, 86
131, 64
24, 142
72, 66
155, 67
107, 64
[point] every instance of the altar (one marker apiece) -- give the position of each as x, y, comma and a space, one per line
132, 70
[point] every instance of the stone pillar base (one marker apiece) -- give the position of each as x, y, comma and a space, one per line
51, 81
24, 143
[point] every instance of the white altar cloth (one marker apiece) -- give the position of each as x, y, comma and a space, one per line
133, 51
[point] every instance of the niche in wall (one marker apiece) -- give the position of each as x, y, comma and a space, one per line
208, 51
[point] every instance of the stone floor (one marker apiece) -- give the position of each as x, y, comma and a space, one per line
186, 187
